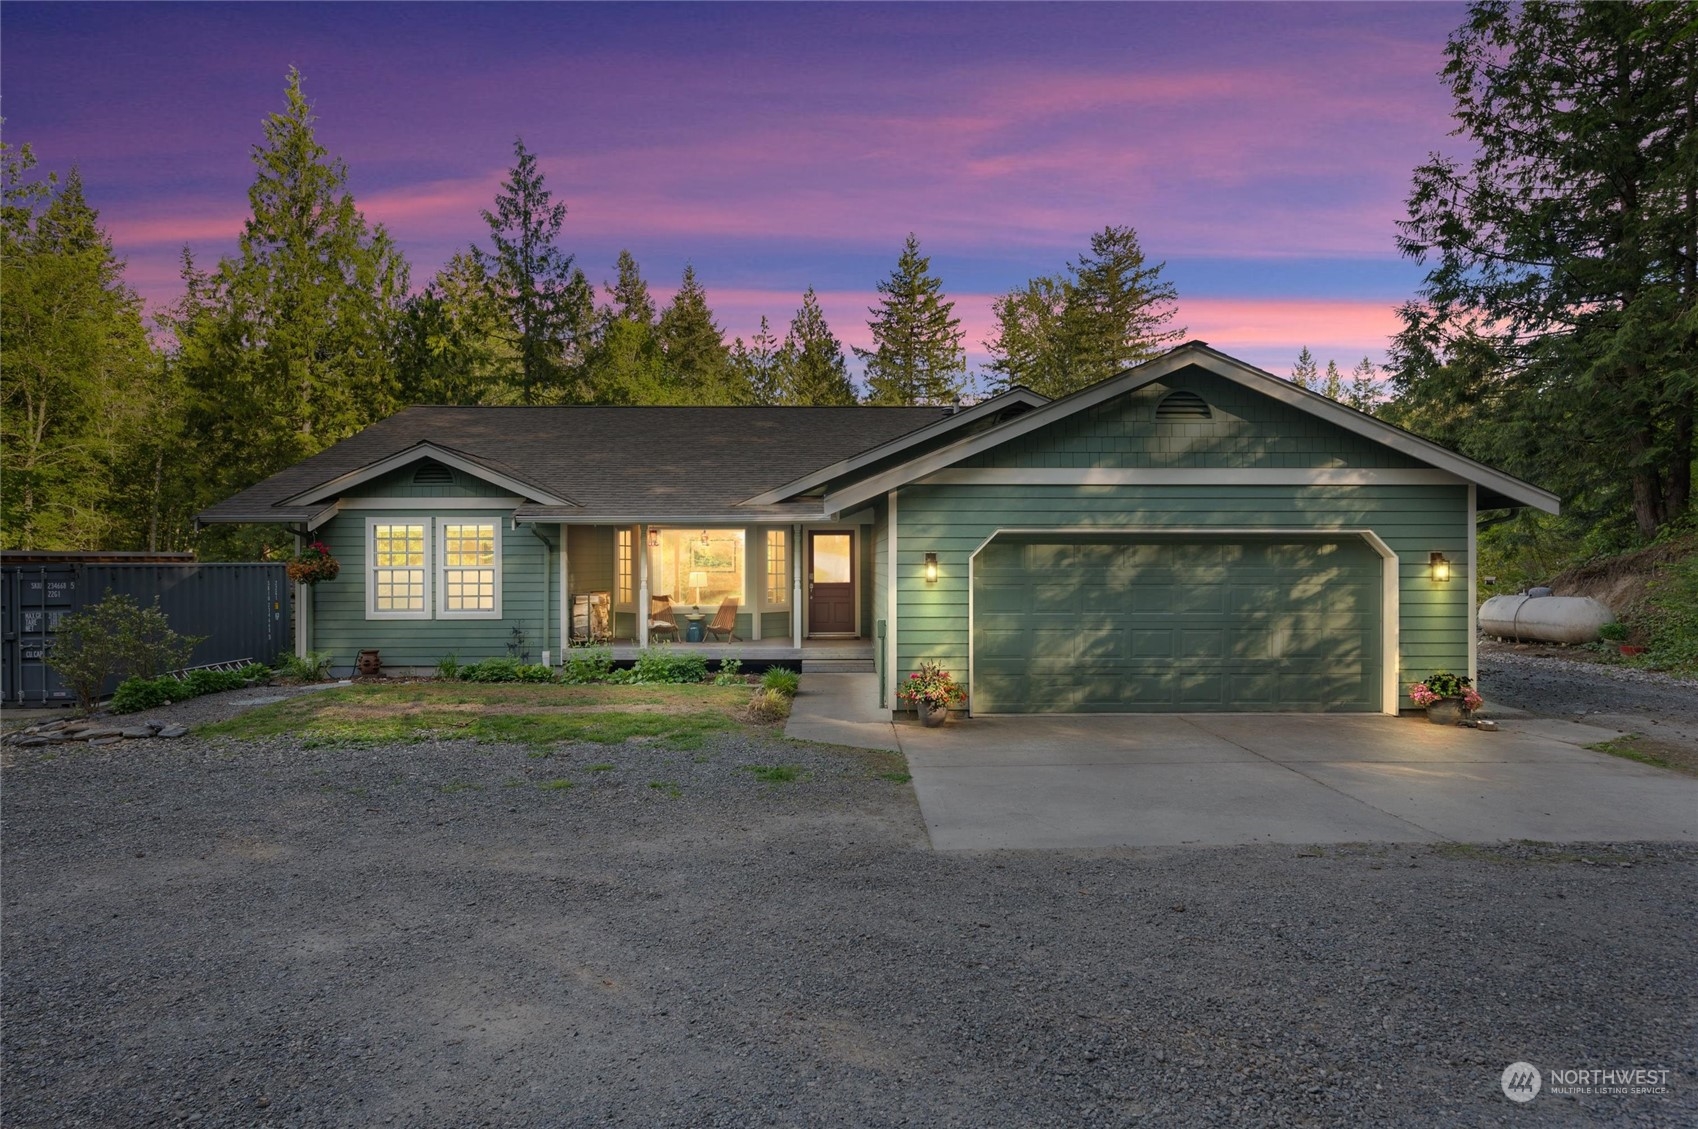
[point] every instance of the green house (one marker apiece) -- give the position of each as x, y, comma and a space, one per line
1191, 535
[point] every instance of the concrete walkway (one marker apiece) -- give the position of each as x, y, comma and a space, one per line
1217, 779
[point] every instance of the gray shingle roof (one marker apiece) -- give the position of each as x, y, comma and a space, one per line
618, 463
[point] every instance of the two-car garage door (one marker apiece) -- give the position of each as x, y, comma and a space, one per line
1130, 624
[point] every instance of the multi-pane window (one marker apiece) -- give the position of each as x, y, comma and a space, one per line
468, 568
398, 569
777, 569
625, 561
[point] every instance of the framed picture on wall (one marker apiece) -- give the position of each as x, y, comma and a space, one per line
718, 555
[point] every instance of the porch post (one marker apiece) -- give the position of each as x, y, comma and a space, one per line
641, 548
566, 598
796, 591
303, 608
758, 565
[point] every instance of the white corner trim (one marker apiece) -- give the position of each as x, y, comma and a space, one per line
1190, 476
1472, 574
1390, 581
893, 605
413, 454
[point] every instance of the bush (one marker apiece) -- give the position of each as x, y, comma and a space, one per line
505, 670
448, 666
1615, 632
1674, 629
730, 673
587, 664
779, 680
769, 705
135, 694
661, 664
115, 638
314, 668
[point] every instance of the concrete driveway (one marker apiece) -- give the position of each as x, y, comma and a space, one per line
1217, 779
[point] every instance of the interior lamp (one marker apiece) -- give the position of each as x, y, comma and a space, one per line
698, 581
1441, 566
931, 568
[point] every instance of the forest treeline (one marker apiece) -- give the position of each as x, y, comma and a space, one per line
1554, 334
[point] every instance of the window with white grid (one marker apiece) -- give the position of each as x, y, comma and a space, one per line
625, 567
470, 584
399, 570
777, 570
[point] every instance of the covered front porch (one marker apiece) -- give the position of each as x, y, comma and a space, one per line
813, 654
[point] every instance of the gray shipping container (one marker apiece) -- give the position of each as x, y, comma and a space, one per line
244, 610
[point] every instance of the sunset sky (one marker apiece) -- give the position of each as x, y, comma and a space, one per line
1263, 151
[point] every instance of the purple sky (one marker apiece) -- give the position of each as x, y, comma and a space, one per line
1262, 151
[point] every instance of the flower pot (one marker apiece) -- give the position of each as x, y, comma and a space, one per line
1630, 649
932, 716
370, 664
1446, 711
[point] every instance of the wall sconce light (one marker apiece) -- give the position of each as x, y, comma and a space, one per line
704, 537
654, 538
1441, 567
931, 568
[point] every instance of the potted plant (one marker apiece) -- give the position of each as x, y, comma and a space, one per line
931, 690
1447, 697
313, 564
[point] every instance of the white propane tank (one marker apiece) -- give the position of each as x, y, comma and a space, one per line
1546, 619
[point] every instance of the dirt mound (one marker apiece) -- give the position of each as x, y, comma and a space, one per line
1622, 583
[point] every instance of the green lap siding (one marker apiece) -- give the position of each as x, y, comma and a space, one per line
954, 521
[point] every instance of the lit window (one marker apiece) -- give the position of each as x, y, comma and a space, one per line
398, 570
625, 564
698, 567
469, 576
777, 569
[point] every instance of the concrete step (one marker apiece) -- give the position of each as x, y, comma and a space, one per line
837, 666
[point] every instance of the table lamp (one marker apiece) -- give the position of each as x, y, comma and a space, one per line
698, 581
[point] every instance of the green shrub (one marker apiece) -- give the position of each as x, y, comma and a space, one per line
314, 668
505, 670
448, 666
1674, 628
115, 638
1613, 632
587, 664
730, 673
135, 694
779, 680
661, 664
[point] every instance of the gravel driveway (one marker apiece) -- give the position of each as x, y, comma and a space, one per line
256, 933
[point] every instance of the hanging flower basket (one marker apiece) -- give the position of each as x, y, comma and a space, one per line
313, 565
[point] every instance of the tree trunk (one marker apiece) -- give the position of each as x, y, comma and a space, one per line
1647, 484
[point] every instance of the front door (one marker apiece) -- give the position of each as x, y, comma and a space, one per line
831, 583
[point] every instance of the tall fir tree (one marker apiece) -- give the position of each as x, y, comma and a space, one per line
812, 366
696, 361
1332, 387
757, 365
624, 365
1110, 310
452, 348
916, 356
81, 386
286, 347
547, 300
1305, 373
1364, 386
630, 293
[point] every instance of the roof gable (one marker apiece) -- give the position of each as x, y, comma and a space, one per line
1329, 434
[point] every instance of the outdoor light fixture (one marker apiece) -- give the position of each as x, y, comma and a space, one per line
704, 537
654, 538
931, 568
1441, 567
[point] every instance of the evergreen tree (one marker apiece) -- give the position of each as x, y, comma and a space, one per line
811, 363
1109, 311
1333, 386
287, 347
630, 293
547, 301
1364, 386
916, 356
1553, 333
452, 349
1305, 373
79, 369
697, 364
624, 365
757, 365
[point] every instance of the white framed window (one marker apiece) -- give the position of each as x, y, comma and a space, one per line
469, 584
625, 567
397, 569
777, 568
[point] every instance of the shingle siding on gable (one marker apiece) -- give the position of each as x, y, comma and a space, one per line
1248, 430
400, 484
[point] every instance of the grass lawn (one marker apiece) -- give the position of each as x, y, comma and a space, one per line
520, 713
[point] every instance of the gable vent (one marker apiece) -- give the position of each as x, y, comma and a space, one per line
1178, 407
433, 474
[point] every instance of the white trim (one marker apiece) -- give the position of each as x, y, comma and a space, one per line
796, 589
1189, 476
322, 516
640, 550
902, 442
303, 609
1473, 585
432, 504
1194, 353
429, 569
766, 560
412, 455
566, 599
1390, 581
894, 605
441, 539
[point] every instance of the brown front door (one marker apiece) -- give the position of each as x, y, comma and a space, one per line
831, 583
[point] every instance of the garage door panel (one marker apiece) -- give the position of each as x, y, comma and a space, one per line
1164, 624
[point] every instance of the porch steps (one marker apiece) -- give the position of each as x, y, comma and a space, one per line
837, 666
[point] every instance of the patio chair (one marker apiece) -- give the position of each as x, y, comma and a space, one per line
725, 622
662, 624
